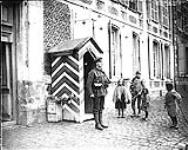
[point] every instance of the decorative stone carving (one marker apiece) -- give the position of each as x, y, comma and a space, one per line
132, 19
100, 4
155, 30
113, 10
124, 15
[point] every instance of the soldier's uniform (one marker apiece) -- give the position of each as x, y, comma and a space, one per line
97, 84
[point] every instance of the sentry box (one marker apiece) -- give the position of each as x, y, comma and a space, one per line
71, 62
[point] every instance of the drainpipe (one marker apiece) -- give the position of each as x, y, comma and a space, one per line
110, 49
27, 33
121, 55
93, 27
173, 10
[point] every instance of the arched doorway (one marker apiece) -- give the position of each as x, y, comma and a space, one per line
88, 65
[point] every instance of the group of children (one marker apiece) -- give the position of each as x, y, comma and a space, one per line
125, 94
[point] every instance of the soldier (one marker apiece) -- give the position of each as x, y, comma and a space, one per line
97, 84
136, 89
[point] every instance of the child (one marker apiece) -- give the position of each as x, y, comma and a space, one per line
126, 85
120, 98
171, 98
144, 100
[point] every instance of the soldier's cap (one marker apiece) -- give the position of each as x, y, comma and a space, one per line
98, 59
138, 72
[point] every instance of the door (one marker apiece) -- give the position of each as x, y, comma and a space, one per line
6, 83
88, 65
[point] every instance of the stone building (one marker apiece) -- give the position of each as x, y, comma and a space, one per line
133, 35
180, 26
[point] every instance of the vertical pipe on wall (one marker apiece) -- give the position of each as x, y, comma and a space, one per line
27, 33
149, 65
120, 46
109, 39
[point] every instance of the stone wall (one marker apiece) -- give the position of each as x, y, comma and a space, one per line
57, 27
56, 23
31, 102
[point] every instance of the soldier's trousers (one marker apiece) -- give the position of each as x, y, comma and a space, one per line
98, 104
133, 103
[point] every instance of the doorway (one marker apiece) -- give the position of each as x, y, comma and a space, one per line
88, 65
6, 83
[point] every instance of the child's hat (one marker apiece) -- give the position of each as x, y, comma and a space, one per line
138, 72
169, 82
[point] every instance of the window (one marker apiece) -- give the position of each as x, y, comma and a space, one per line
166, 60
4, 13
185, 22
136, 53
114, 51
156, 60
186, 60
139, 6
114, 43
165, 13
4, 66
133, 4
154, 11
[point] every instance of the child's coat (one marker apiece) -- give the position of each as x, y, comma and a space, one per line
170, 102
119, 90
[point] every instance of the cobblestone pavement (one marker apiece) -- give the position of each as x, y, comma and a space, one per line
123, 133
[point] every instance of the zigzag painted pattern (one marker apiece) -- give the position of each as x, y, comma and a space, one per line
65, 81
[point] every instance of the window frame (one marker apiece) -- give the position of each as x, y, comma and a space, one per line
164, 8
114, 48
167, 62
136, 52
154, 11
157, 57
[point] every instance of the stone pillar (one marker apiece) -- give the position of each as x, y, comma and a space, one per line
32, 84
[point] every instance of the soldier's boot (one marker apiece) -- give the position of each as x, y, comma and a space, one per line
97, 123
122, 115
100, 120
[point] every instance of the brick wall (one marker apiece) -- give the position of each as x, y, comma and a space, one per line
56, 23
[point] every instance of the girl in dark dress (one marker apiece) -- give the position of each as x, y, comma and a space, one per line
145, 100
120, 98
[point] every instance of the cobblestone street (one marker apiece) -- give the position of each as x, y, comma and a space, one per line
123, 133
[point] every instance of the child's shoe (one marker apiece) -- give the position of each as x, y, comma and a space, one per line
133, 115
144, 119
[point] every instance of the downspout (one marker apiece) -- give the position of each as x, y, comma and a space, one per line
121, 55
173, 39
110, 49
